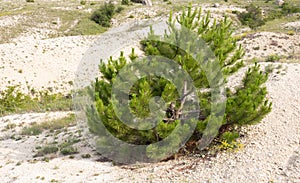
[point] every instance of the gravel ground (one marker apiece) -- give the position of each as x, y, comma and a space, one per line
271, 150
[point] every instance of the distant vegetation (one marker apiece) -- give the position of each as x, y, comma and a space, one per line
125, 2
103, 15
288, 9
38, 128
12, 100
254, 16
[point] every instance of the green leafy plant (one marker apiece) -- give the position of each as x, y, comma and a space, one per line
229, 137
11, 99
246, 106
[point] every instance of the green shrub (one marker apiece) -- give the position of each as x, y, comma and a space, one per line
103, 15
289, 9
272, 58
246, 106
284, 10
291, 32
256, 48
68, 150
125, 2
83, 2
68, 143
33, 130
269, 68
47, 150
119, 9
36, 129
252, 17
30, 1
12, 100
86, 156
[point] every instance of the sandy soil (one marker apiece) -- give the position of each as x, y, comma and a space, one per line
271, 150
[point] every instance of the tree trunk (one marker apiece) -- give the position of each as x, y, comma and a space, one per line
145, 2
148, 2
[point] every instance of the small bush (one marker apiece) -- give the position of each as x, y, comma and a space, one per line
68, 143
86, 156
68, 150
47, 150
37, 129
291, 32
234, 12
272, 58
289, 9
13, 100
83, 2
256, 48
252, 17
125, 2
30, 1
119, 9
269, 68
103, 15
274, 14
282, 11
32, 131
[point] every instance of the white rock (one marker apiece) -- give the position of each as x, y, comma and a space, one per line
279, 2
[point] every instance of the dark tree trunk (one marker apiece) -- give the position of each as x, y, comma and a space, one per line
145, 2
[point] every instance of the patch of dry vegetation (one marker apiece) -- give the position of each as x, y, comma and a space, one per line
52, 126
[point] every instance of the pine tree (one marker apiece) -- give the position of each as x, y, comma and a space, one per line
247, 105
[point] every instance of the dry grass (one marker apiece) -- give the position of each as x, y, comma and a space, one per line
36, 129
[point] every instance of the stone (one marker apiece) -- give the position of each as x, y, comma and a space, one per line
279, 2
216, 5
